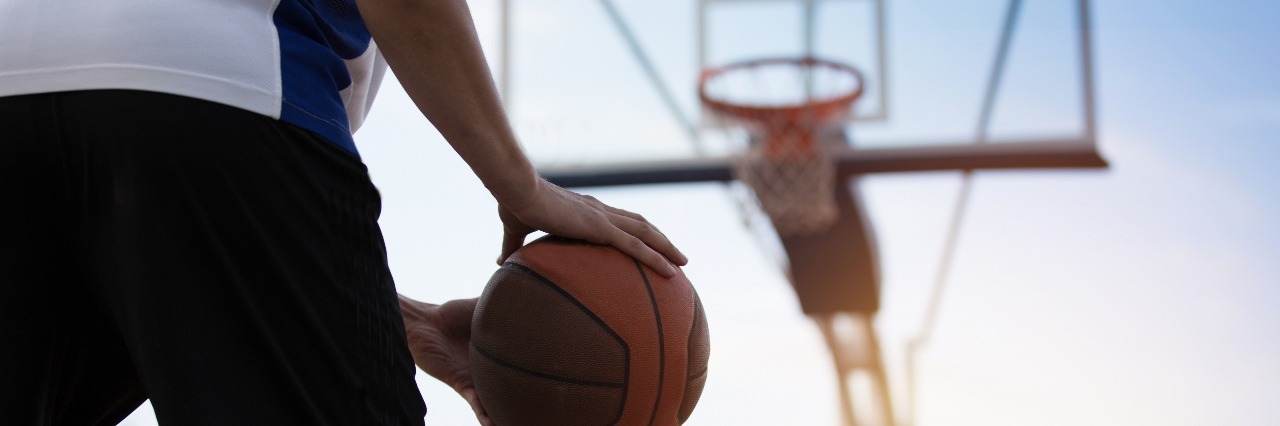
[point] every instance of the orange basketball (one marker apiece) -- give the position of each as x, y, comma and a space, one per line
573, 333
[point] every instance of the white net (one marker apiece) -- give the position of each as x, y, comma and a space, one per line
785, 104
793, 184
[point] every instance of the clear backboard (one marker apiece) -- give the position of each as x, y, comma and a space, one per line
605, 92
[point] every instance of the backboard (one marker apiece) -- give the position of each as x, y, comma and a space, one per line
604, 93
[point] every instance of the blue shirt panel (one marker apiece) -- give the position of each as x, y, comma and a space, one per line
316, 38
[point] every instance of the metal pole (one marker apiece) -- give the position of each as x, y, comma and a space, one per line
810, 15
962, 203
997, 70
882, 67
1086, 71
702, 35
655, 79
957, 216
810, 12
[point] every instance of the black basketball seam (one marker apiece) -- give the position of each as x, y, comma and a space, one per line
536, 373
662, 350
626, 350
693, 331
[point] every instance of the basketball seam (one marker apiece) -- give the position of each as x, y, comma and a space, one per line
662, 350
548, 376
693, 331
626, 350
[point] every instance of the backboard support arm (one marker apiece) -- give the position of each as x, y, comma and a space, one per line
1039, 154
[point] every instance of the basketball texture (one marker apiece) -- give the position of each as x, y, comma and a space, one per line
573, 333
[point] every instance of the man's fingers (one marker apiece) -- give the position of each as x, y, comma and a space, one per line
511, 241
628, 237
651, 237
621, 212
513, 233
474, 400
584, 217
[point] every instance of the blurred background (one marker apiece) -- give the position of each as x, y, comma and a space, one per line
1144, 293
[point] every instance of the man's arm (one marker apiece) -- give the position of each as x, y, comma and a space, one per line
433, 48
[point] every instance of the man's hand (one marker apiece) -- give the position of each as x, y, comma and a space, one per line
433, 48
439, 339
559, 211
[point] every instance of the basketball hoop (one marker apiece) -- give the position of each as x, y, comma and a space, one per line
789, 106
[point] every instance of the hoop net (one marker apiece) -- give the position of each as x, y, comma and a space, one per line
788, 106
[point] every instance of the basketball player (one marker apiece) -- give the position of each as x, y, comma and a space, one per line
184, 215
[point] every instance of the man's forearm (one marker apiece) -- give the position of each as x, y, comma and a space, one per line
432, 47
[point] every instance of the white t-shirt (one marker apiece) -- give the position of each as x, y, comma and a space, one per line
310, 63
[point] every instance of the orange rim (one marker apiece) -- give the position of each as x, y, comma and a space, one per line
817, 111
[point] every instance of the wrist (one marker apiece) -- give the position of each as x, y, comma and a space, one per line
518, 190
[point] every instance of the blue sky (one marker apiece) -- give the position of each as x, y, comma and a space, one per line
1145, 294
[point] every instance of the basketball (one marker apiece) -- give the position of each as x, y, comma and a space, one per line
572, 333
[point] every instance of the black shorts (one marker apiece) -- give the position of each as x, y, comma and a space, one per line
221, 263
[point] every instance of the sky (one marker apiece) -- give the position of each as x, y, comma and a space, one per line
1143, 294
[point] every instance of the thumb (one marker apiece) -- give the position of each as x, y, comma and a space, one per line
474, 400
511, 241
